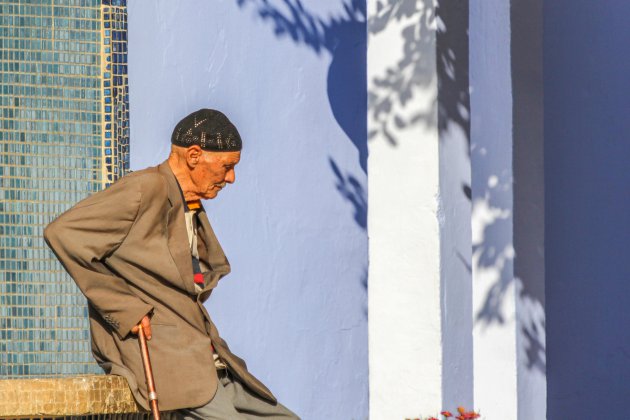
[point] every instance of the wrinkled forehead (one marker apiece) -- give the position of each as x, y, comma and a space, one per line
228, 158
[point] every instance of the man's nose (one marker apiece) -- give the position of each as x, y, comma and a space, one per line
230, 177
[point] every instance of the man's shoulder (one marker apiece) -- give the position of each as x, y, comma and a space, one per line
125, 196
138, 186
148, 177
150, 182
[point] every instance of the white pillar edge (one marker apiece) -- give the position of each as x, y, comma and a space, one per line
405, 346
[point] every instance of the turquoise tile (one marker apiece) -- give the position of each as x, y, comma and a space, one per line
41, 310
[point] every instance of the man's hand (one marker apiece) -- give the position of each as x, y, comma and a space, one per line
146, 326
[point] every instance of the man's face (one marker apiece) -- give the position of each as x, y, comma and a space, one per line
213, 171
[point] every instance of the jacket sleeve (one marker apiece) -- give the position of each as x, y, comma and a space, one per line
84, 236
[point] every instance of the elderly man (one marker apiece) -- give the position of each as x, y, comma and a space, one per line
143, 252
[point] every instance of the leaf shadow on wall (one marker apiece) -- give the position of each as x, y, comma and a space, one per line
415, 70
344, 39
508, 193
496, 253
388, 106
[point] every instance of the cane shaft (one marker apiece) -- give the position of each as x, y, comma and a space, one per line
148, 372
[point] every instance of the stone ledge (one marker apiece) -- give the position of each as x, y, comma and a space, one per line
76, 396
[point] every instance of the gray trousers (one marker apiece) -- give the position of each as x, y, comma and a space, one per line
234, 402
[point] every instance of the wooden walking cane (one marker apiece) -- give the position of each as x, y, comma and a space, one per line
148, 373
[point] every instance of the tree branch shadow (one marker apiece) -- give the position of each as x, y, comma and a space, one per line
387, 103
352, 190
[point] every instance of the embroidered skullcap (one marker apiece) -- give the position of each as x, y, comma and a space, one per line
209, 129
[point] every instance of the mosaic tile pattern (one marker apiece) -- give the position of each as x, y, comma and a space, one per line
58, 102
115, 89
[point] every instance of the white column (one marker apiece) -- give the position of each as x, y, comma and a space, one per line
403, 228
508, 211
427, 294
494, 333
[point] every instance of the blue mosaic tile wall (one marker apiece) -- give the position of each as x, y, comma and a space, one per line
115, 89
64, 134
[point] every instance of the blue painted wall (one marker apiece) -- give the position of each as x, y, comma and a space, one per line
587, 165
292, 78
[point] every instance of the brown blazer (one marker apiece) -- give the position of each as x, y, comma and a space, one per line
127, 249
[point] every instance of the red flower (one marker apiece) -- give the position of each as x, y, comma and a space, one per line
446, 414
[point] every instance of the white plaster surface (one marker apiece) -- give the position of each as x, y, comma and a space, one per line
404, 272
494, 333
404, 328
532, 382
495, 386
455, 262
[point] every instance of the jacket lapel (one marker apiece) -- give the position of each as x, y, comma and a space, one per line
213, 255
176, 230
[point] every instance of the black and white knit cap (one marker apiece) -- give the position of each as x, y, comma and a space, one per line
209, 129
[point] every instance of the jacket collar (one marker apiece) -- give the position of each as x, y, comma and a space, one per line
175, 196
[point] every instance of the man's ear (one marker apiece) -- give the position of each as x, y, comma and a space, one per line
193, 155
